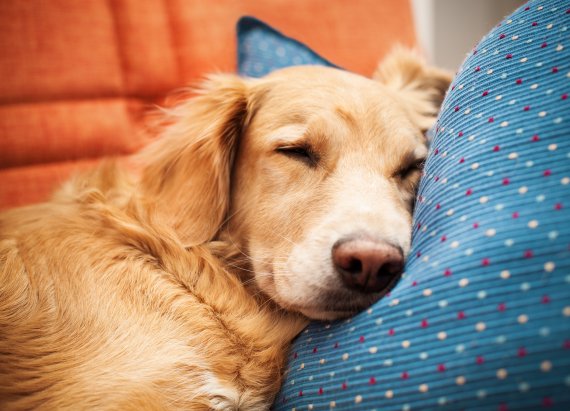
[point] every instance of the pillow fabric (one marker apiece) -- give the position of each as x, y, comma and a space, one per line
262, 49
481, 318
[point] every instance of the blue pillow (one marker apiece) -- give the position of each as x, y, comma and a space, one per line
262, 49
481, 318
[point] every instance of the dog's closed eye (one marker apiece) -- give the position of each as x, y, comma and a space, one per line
302, 152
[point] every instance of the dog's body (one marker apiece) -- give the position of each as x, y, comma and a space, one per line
182, 286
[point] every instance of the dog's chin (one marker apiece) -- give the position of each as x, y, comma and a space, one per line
329, 309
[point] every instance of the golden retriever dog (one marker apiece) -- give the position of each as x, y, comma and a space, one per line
180, 284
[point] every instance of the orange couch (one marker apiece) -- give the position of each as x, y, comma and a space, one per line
78, 76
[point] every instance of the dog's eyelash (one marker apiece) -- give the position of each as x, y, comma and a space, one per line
301, 153
407, 171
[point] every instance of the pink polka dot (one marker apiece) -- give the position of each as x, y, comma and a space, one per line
485, 93
545, 299
475, 225
321, 391
516, 214
361, 339
558, 206
526, 108
461, 160
315, 350
447, 272
528, 254
372, 381
521, 352
503, 407
547, 402
424, 323
491, 119
437, 206
479, 359
502, 307
391, 332
564, 96
554, 69
534, 24
509, 56
301, 393
344, 386
477, 68
547, 173
441, 367
460, 315
460, 134
543, 45
336, 345
506, 181
469, 192
519, 81
443, 238
405, 375
496, 148
535, 137
456, 108
485, 262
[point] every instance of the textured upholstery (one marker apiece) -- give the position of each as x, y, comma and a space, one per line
78, 76
481, 318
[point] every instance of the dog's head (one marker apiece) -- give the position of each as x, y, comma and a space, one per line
310, 172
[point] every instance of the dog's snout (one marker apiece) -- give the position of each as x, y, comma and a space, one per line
367, 265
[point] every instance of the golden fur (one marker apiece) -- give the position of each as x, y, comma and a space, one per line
181, 286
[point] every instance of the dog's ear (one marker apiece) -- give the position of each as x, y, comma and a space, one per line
420, 86
186, 173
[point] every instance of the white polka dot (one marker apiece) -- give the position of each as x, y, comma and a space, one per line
442, 401
302, 366
490, 71
450, 212
406, 344
529, 163
544, 332
394, 302
474, 166
490, 232
522, 319
509, 242
560, 47
442, 304
553, 235
423, 388
459, 348
322, 361
482, 294
454, 244
501, 339
442, 335
505, 274
515, 37
532, 224
358, 368
499, 97
388, 362
552, 147
460, 380
525, 286
467, 111
480, 326
468, 252
427, 292
409, 313
483, 199
389, 394
345, 356
513, 156
545, 366
499, 207
523, 190
424, 356
490, 173
406, 407
565, 181
358, 399
332, 404
524, 387
549, 267
523, 60
542, 114
566, 311
502, 373
540, 198
534, 86
481, 394
378, 321
464, 282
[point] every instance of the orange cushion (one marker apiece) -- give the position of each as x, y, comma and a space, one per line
78, 77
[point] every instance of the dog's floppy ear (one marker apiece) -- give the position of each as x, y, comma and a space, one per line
186, 173
420, 87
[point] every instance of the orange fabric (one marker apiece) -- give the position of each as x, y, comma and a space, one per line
77, 77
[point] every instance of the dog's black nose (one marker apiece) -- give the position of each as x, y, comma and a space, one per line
367, 265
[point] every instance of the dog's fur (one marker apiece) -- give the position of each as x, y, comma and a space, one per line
181, 286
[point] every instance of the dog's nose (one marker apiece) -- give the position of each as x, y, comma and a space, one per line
367, 265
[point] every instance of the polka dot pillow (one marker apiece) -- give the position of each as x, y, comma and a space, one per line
481, 318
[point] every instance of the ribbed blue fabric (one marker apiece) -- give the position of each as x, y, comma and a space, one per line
481, 319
